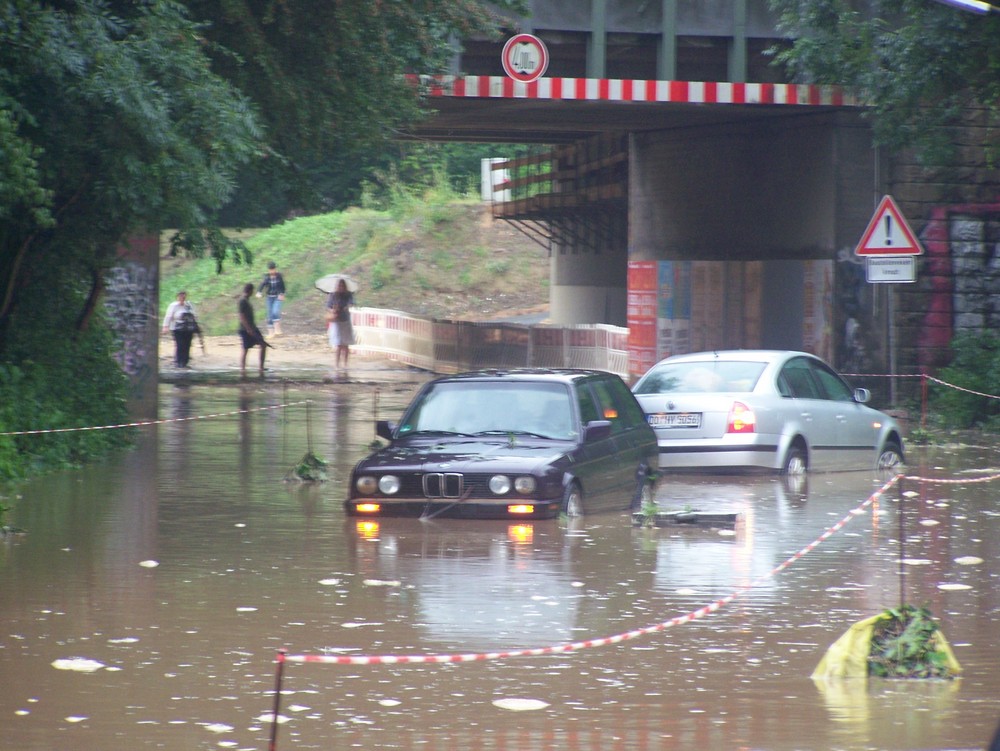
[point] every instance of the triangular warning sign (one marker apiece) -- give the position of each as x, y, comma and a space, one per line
888, 234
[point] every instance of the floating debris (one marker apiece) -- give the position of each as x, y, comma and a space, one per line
520, 705
309, 469
149, 564
382, 583
968, 560
79, 664
691, 517
946, 587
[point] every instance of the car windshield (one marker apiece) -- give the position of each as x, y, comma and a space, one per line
701, 376
492, 407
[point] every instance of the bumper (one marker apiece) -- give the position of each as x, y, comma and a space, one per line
510, 509
720, 454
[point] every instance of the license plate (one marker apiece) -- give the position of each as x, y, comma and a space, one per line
675, 420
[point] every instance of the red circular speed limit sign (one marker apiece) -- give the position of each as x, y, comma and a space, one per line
525, 58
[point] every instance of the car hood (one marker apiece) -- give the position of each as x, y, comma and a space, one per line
474, 455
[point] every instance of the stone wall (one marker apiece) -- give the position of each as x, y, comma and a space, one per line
956, 213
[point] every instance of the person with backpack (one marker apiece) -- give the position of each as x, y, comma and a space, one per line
181, 322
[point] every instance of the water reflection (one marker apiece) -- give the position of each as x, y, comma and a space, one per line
249, 563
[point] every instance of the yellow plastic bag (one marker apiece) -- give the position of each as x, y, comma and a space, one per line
848, 656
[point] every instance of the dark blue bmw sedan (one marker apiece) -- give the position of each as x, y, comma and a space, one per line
513, 444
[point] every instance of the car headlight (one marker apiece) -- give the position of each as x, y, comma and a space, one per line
366, 484
500, 484
388, 484
525, 484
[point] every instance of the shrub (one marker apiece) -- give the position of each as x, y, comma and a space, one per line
976, 367
73, 381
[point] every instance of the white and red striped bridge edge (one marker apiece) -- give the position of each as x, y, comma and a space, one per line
634, 90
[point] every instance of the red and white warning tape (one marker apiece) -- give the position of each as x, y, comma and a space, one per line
144, 423
414, 659
953, 481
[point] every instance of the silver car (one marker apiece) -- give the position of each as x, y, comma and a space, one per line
763, 409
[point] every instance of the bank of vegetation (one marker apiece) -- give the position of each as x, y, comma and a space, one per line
428, 251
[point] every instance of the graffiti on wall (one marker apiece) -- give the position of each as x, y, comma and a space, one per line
962, 277
854, 316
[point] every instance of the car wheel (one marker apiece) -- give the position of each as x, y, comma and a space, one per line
572, 502
795, 462
890, 458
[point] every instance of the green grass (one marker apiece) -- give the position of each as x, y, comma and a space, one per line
419, 254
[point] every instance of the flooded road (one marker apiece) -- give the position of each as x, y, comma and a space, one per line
147, 603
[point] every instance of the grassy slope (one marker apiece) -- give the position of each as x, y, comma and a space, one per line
434, 258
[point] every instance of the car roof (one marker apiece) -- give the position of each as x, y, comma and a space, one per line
737, 355
555, 375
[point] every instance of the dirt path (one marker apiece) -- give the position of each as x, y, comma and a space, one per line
223, 352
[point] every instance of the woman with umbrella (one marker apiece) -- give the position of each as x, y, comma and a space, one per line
338, 316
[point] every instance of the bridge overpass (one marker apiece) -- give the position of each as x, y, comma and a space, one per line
699, 214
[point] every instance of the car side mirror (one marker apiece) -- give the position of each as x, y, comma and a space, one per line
861, 396
385, 429
596, 430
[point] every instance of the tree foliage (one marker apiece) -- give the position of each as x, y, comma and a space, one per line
918, 64
121, 116
327, 78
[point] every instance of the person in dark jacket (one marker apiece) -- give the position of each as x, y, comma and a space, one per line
273, 289
250, 335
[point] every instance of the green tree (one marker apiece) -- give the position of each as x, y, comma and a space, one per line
918, 64
119, 117
327, 78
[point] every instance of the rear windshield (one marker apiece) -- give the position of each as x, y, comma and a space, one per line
704, 376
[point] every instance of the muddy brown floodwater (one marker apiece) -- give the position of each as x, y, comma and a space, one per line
147, 603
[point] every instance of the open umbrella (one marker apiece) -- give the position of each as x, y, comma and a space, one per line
329, 282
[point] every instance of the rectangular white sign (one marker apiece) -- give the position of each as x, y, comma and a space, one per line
888, 269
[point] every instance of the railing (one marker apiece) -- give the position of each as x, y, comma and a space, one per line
442, 346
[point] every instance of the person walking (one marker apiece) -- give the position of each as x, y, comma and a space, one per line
181, 322
250, 335
273, 287
338, 316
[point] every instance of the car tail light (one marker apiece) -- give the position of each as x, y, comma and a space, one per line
741, 419
367, 508
521, 508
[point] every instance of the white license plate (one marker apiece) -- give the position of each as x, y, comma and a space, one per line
675, 420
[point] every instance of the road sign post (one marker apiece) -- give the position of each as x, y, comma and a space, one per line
889, 248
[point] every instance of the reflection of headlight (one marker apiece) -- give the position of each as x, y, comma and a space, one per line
388, 484
500, 484
525, 484
366, 484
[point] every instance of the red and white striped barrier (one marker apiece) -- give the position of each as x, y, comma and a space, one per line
634, 90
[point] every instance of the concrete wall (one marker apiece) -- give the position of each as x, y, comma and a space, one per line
131, 299
588, 286
780, 192
753, 190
